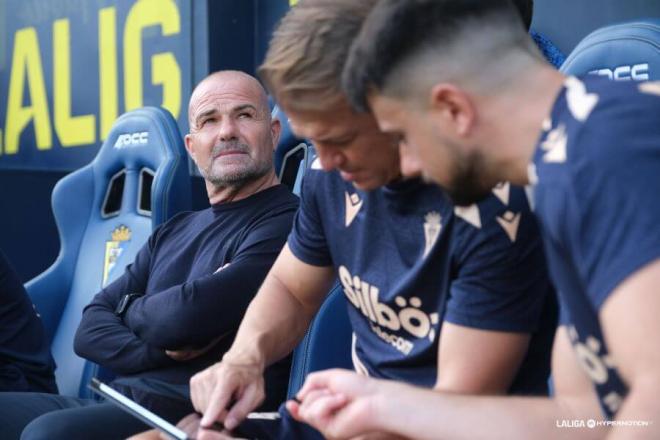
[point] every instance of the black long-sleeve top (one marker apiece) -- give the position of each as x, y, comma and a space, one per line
25, 360
196, 274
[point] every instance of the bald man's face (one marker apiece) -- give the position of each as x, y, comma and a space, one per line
231, 135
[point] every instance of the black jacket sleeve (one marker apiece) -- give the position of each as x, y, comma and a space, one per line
104, 338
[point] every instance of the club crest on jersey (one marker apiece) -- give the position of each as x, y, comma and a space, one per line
432, 228
409, 319
114, 247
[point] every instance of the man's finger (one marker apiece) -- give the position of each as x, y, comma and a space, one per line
201, 385
217, 403
314, 381
250, 399
294, 409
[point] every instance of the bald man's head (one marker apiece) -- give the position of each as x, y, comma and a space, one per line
239, 82
232, 136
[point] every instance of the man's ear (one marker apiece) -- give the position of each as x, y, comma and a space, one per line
454, 107
275, 131
189, 147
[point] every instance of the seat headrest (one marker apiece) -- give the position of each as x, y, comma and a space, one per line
621, 52
140, 138
287, 141
142, 142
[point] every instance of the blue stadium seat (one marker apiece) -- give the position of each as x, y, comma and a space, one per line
105, 212
327, 343
290, 153
621, 52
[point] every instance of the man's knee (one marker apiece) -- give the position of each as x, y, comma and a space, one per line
49, 426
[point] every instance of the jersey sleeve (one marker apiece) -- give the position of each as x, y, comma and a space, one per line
307, 240
615, 219
501, 281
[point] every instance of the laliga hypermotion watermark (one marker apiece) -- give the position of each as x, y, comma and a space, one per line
591, 423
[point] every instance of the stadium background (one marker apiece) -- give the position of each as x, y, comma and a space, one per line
68, 68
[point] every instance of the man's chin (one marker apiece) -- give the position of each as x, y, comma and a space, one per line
367, 184
462, 198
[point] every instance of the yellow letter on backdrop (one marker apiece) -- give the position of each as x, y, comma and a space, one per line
71, 130
27, 60
165, 69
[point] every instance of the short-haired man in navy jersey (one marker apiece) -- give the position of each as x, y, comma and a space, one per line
466, 90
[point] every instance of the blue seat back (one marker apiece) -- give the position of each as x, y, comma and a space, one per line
327, 343
105, 212
290, 152
621, 52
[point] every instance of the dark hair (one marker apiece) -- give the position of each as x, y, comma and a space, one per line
397, 29
526, 9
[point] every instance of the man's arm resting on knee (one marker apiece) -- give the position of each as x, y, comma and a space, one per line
274, 323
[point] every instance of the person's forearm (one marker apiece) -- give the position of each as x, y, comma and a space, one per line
424, 414
103, 339
193, 313
639, 417
274, 323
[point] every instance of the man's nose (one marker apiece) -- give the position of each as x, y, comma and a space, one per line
329, 157
228, 129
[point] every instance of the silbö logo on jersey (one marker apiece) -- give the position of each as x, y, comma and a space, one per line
409, 318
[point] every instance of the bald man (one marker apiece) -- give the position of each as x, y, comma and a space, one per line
176, 309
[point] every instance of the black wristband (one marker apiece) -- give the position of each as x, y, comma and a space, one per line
124, 302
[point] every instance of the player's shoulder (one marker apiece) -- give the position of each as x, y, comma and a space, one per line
324, 186
596, 126
610, 119
499, 214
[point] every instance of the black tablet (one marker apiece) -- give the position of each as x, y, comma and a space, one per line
137, 410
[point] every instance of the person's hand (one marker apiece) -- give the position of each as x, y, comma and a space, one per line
227, 392
146, 435
339, 403
186, 354
191, 426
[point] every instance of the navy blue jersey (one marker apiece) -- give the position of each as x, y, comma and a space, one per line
402, 251
597, 174
25, 360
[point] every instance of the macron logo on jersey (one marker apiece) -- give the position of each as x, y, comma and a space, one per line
353, 205
510, 223
502, 191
